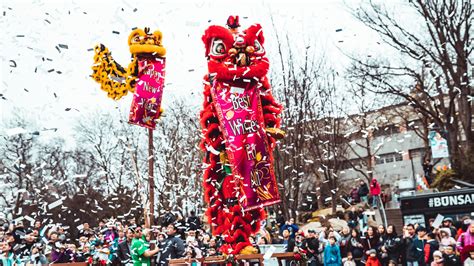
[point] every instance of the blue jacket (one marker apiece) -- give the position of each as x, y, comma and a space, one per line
332, 256
293, 228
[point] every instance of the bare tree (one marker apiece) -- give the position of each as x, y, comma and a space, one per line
178, 159
437, 60
327, 145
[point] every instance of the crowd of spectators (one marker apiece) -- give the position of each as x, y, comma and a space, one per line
359, 242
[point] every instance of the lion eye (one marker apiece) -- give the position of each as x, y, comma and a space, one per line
218, 47
258, 47
136, 38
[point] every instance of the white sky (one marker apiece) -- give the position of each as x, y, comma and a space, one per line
182, 23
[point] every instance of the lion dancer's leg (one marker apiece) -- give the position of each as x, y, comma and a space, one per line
225, 213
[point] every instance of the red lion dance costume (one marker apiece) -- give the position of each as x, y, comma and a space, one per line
240, 126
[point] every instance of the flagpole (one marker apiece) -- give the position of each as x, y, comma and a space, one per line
151, 180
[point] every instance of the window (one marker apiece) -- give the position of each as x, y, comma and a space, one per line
398, 157
388, 158
386, 130
415, 153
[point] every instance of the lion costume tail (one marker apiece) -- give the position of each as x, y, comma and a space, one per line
112, 77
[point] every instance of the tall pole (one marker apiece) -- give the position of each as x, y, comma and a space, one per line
151, 180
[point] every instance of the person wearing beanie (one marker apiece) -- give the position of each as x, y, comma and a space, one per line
372, 259
437, 259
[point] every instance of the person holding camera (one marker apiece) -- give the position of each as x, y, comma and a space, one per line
140, 250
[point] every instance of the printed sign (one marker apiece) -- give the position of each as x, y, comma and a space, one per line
145, 108
439, 145
241, 118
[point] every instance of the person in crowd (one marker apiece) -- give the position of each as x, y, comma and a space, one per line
370, 241
414, 255
382, 232
172, 247
470, 260
450, 258
391, 246
445, 238
352, 218
37, 257
363, 192
431, 246
375, 192
193, 222
332, 254
86, 231
140, 250
356, 247
291, 227
354, 195
372, 259
465, 243
437, 259
124, 248
348, 261
288, 241
344, 241
427, 169
168, 218
312, 247
448, 223
299, 242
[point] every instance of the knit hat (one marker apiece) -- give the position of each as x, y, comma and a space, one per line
437, 253
372, 251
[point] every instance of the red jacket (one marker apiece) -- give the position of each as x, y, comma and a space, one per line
373, 261
374, 188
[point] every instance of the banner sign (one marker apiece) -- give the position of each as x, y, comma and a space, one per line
439, 144
241, 120
145, 108
446, 200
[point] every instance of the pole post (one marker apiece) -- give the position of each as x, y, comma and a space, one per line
151, 180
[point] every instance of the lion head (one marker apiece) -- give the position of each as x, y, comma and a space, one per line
233, 54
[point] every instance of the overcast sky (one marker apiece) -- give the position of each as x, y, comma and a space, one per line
33, 29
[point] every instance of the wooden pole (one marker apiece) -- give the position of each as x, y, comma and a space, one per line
151, 180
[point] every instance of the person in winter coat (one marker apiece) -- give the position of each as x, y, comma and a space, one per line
312, 247
470, 260
363, 192
355, 247
391, 246
445, 238
291, 227
450, 258
375, 192
332, 254
344, 241
370, 241
437, 259
172, 247
465, 242
372, 260
355, 195
431, 246
348, 261
193, 222
414, 245
448, 223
